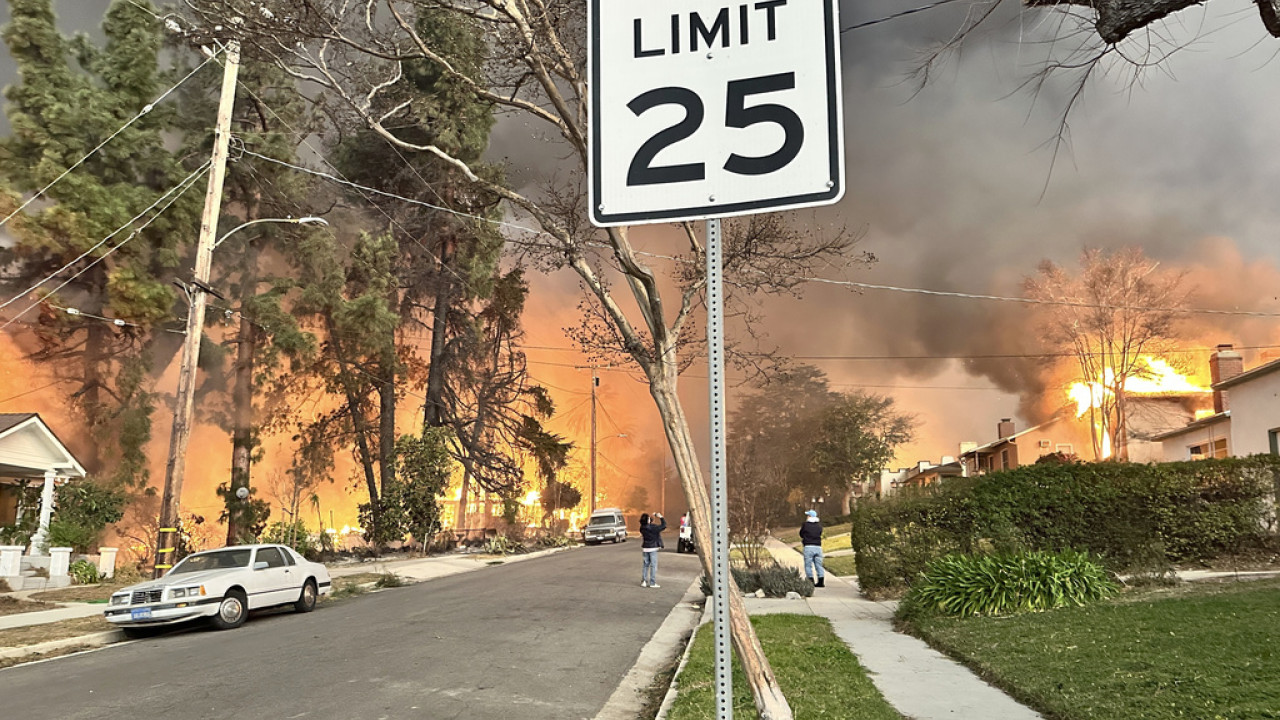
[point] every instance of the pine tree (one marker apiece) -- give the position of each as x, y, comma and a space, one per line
255, 268
73, 95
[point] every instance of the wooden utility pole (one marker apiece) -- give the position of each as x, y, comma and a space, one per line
175, 468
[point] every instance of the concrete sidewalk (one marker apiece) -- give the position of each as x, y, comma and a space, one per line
917, 680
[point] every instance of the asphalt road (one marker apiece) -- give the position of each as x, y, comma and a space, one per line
547, 638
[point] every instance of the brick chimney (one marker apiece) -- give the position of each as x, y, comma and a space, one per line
1004, 428
1224, 364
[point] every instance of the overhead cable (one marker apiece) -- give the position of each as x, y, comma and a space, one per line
145, 109
173, 194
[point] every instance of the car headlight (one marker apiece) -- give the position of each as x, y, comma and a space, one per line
120, 599
186, 591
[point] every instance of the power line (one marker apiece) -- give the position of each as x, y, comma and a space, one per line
188, 181
391, 195
36, 390
895, 16
145, 109
99, 244
821, 280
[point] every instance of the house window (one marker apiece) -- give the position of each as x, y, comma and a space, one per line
1004, 459
1066, 448
1209, 449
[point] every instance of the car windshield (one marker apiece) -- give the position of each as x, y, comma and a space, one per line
603, 520
219, 560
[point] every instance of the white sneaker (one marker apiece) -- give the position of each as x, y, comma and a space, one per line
644, 583
655, 585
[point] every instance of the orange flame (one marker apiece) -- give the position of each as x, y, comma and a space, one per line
1158, 377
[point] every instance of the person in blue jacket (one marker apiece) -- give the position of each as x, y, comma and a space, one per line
651, 543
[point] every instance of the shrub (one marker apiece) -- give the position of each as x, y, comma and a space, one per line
1135, 518
503, 545
85, 508
775, 580
389, 580
83, 572
554, 541
1006, 584
294, 535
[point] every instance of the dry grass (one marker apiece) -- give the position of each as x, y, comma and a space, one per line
35, 634
79, 593
13, 606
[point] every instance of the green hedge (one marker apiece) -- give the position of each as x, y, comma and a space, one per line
1135, 517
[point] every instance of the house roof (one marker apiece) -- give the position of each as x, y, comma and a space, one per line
1010, 438
9, 421
1247, 375
28, 447
1194, 425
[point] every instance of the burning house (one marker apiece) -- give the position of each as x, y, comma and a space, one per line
1155, 402
1245, 418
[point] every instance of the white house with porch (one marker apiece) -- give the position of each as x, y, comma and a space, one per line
30, 454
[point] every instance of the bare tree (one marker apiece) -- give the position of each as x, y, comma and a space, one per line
1118, 309
355, 51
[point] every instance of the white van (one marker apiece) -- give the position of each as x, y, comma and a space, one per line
605, 524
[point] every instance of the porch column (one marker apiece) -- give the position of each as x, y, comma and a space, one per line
10, 560
59, 562
107, 561
46, 513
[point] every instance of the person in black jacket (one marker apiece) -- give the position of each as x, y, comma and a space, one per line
651, 543
811, 537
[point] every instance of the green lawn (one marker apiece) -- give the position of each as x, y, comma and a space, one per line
1199, 651
818, 675
832, 542
844, 566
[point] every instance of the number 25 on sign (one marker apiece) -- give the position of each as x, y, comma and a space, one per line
702, 109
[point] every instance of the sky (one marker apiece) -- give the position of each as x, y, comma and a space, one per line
957, 188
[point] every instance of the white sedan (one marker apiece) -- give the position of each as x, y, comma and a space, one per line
222, 585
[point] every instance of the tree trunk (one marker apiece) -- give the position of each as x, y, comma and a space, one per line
387, 426
434, 412
359, 423
96, 344
460, 522
242, 404
764, 685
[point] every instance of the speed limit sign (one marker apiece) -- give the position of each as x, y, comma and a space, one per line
702, 109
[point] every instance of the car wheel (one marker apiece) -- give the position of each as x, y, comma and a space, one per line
232, 611
615, 540
307, 600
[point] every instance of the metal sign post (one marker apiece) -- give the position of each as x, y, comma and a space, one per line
703, 109
719, 508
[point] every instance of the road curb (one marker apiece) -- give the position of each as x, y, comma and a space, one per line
670, 698
626, 701
97, 639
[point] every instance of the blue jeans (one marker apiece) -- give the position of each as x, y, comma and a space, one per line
649, 571
813, 561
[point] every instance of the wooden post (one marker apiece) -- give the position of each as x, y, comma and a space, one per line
175, 467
